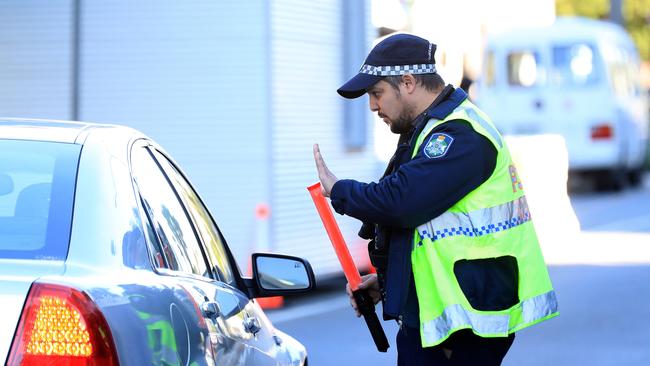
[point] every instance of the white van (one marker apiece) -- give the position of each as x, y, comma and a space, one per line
578, 78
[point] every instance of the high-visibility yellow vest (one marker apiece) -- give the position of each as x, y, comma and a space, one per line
491, 221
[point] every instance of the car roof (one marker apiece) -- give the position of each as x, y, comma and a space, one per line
51, 130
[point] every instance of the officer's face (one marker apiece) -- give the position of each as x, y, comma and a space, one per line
390, 106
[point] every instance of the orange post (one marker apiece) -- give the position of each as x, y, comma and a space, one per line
333, 231
261, 244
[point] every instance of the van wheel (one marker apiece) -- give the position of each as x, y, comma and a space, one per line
635, 176
611, 180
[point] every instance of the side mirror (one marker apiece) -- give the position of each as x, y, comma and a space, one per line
277, 275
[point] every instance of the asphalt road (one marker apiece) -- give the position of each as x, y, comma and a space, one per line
602, 287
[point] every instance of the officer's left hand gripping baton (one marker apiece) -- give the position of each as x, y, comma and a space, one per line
365, 305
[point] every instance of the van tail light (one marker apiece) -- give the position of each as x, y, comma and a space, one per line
60, 325
602, 132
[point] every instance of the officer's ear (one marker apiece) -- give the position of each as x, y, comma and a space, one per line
409, 82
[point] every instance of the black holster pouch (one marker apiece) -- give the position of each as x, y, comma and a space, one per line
367, 231
378, 257
376, 251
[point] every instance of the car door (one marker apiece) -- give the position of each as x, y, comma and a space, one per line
258, 336
179, 252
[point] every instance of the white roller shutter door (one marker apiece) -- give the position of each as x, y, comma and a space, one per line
306, 59
193, 76
35, 58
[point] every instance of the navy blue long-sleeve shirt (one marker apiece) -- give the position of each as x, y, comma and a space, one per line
419, 190
422, 188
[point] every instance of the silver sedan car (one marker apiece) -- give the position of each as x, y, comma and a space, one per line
108, 256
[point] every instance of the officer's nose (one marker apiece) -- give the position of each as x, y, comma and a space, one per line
372, 102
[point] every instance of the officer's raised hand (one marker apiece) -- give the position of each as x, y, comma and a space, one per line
327, 179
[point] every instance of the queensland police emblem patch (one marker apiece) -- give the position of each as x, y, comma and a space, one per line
438, 145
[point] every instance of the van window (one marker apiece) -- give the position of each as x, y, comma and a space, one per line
490, 69
524, 69
574, 65
621, 67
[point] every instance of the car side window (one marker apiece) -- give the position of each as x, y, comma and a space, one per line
176, 238
154, 246
215, 246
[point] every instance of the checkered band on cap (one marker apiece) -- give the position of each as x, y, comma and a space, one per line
398, 70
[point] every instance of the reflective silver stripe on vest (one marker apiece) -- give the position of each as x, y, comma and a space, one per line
471, 113
427, 128
476, 223
485, 124
538, 307
454, 317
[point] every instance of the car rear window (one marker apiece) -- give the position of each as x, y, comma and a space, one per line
37, 181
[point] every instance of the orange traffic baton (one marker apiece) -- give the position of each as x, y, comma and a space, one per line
365, 305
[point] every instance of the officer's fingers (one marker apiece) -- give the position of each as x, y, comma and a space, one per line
375, 295
316, 152
354, 306
318, 158
320, 162
353, 303
364, 284
369, 281
324, 174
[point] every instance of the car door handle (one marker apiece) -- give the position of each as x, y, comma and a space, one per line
210, 309
252, 325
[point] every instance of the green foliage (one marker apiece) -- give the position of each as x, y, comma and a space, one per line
635, 12
637, 22
597, 9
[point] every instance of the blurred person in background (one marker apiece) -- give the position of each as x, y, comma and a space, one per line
458, 262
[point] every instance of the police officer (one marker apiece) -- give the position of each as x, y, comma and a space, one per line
458, 262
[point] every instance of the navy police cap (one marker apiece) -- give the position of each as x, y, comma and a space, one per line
396, 54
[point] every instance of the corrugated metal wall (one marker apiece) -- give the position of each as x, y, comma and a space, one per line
35, 58
307, 68
236, 91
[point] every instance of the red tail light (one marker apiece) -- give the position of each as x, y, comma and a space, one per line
602, 132
61, 326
